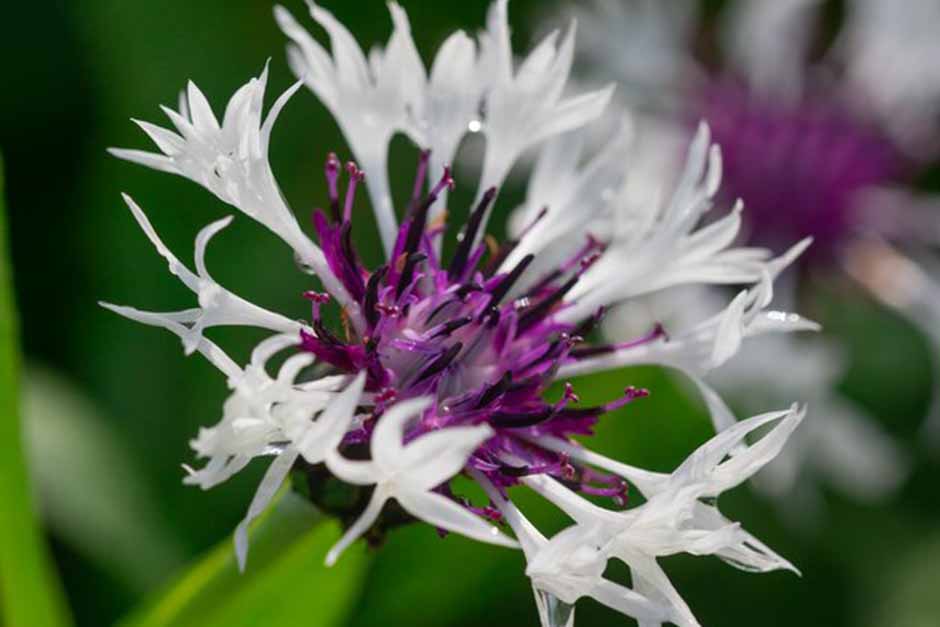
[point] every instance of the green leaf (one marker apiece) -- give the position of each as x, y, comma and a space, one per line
116, 524
29, 592
285, 582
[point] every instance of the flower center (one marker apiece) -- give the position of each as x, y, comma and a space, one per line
799, 166
484, 342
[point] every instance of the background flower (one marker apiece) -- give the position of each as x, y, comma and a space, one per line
819, 135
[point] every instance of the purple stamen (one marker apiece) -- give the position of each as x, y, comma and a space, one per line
459, 262
332, 177
355, 176
372, 296
506, 284
439, 364
420, 177
536, 313
407, 273
592, 351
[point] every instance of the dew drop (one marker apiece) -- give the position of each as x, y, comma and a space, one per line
302, 265
475, 126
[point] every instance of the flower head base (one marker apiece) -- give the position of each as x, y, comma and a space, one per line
444, 366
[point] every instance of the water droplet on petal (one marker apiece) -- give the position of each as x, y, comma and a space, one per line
302, 265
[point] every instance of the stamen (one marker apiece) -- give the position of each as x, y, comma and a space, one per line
420, 217
459, 262
439, 364
372, 295
494, 391
506, 284
420, 176
331, 169
520, 420
535, 313
449, 327
408, 271
316, 299
437, 310
497, 259
630, 394
355, 176
586, 327
592, 351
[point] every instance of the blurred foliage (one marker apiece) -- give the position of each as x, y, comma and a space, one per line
113, 524
285, 563
29, 592
96, 64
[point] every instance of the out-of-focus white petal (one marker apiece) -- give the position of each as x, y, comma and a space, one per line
768, 43
890, 50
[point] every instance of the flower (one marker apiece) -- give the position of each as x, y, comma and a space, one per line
825, 145
443, 366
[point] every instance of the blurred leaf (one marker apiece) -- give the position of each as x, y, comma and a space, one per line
30, 594
909, 592
115, 523
285, 582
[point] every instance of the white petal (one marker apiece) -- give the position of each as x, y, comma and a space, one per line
333, 423
390, 430
352, 471
212, 352
362, 524
270, 483
442, 512
436, 457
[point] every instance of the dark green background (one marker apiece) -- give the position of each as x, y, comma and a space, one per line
76, 71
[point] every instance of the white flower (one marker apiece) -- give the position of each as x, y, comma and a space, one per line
567, 201
217, 305
444, 366
708, 344
525, 106
409, 473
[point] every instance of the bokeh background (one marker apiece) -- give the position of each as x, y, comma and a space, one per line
111, 405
